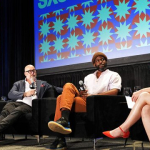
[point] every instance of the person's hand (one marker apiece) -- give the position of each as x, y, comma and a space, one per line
29, 93
83, 93
135, 96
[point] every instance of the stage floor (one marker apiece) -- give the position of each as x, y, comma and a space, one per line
19, 143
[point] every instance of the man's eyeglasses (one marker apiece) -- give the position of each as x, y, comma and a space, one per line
100, 60
31, 71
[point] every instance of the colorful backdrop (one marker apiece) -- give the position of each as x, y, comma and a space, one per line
69, 32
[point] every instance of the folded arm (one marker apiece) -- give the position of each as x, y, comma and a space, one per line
110, 92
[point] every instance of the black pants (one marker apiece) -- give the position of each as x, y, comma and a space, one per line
11, 112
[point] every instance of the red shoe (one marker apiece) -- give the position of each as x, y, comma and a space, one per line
125, 134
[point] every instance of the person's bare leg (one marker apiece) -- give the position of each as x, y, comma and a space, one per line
134, 115
146, 119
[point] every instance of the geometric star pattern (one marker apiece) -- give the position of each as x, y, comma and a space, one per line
79, 30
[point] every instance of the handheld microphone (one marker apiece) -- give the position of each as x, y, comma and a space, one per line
33, 84
82, 86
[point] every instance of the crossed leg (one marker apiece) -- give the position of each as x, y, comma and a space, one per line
141, 108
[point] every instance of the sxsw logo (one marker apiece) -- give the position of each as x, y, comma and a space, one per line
46, 3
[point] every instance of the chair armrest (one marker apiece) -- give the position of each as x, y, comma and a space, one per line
52, 92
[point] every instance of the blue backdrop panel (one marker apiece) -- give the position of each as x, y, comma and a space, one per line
69, 32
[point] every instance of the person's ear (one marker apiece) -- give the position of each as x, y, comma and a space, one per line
94, 64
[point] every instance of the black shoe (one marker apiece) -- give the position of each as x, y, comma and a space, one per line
58, 144
61, 126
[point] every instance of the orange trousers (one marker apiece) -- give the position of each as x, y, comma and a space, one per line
69, 99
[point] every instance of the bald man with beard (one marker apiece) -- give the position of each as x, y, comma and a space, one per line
21, 95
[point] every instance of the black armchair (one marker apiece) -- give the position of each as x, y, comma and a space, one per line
103, 113
29, 124
106, 112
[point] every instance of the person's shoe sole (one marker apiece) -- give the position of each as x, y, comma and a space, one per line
56, 127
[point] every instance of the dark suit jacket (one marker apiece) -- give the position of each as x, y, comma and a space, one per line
18, 89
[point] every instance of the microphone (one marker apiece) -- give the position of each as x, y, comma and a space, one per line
82, 86
33, 84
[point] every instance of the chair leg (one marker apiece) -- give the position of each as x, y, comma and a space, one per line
138, 142
2, 136
38, 139
13, 136
25, 136
142, 146
95, 141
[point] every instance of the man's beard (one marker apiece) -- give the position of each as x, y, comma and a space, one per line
101, 69
33, 79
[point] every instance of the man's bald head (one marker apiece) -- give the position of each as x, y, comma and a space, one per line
29, 67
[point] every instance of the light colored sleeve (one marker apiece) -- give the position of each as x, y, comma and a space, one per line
115, 81
85, 82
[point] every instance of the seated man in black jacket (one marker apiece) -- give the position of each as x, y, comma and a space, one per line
22, 94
